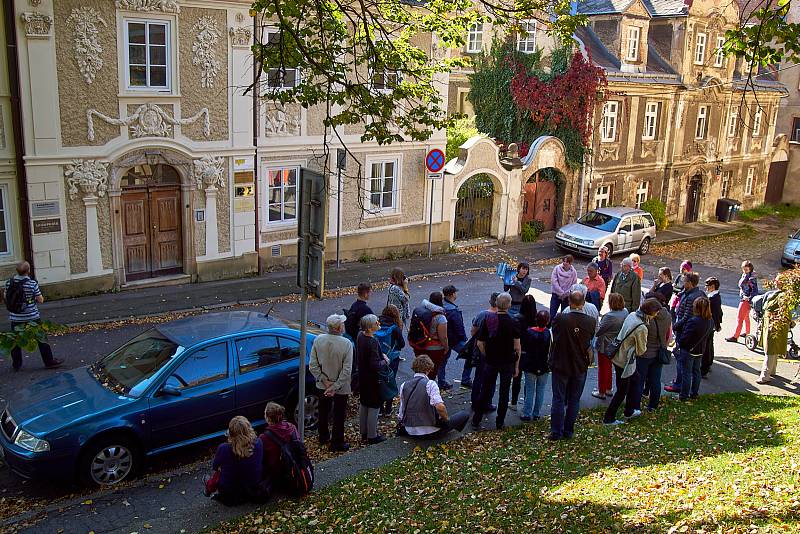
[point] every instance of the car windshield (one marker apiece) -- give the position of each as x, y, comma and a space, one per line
601, 221
129, 369
796, 235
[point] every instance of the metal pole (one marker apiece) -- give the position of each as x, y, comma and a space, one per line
256, 199
338, 213
430, 221
301, 388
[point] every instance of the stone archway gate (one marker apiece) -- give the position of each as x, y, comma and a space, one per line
481, 155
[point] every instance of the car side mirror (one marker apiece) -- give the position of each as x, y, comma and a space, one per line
170, 391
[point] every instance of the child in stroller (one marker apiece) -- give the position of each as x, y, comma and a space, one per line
753, 340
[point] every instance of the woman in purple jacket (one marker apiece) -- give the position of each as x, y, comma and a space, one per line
748, 288
563, 278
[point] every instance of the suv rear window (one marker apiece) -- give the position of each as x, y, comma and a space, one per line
601, 221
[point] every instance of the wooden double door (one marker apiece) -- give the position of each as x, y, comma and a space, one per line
151, 231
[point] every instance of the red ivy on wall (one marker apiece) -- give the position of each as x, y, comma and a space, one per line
565, 102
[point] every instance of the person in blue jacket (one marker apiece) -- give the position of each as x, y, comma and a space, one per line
456, 335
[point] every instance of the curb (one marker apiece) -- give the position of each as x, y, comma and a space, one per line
738, 228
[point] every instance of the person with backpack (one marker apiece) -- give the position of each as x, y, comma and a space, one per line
331, 363
427, 332
390, 336
456, 336
237, 466
22, 296
399, 294
287, 466
536, 342
371, 362
357, 310
715, 300
422, 412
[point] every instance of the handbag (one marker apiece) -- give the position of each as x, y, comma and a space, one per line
612, 347
664, 357
387, 384
692, 352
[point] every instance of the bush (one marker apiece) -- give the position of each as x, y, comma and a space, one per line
658, 210
27, 336
531, 231
783, 211
462, 130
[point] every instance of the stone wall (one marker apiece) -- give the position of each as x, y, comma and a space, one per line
76, 234
224, 213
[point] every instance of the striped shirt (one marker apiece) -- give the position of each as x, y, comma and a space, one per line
30, 312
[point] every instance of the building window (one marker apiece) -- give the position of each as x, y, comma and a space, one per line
719, 56
282, 194
642, 193
757, 118
609, 127
526, 41
282, 77
5, 242
702, 123
475, 38
725, 189
633, 44
732, 123
602, 196
796, 130
650, 120
147, 54
700, 49
749, 184
383, 185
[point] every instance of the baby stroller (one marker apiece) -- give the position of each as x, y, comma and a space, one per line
753, 341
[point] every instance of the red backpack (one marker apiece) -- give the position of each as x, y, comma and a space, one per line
419, 336
297, 471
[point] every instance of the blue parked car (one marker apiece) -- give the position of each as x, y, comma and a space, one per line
791, 251
173, 385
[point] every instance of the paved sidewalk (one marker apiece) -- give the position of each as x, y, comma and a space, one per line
210, 295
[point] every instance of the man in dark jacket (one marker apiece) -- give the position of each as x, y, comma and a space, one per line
456, 336
714, 298
569, 360
687, 296
357, 310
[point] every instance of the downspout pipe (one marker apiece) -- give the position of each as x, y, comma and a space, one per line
12, 59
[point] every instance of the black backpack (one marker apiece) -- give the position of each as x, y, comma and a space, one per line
419, 336
15, 295
297, 471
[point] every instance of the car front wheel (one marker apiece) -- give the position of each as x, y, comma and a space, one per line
644, 248
108, 461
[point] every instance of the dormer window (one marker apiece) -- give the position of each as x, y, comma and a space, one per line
700, 49
632, 52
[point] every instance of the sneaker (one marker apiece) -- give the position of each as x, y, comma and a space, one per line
377, 439
634, 415
524, 418
763, 380
614, 423
672, 388
732, 339
466, 385
744, 335
54, 364
552, 436
342, 447
597, 395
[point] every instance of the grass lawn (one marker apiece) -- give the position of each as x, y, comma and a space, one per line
784, 211
725, 463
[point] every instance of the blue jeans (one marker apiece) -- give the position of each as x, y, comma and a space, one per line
534, 388
556, 304
649, 371
690, 367
678, 369
567, 391
478, 385
441, 377
466, 374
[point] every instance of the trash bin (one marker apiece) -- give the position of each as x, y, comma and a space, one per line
735, 211
727, 209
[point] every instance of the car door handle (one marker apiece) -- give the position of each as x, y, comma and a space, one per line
225, 392
293, 375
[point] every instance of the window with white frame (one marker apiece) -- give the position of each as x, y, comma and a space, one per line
5, 241
602, 196
282, 193
749, 183
475, 38
633, 44
733, 119
608, 131
701, 128
795, 130
147, 54
758, 116
725, 188
650, 120
642, 193
719, 56
282, 77
382, 180
700, 49
526, 40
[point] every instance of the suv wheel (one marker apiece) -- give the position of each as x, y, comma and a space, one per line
108, 461
644, 248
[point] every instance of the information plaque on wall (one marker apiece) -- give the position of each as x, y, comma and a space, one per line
46, 226
45, 208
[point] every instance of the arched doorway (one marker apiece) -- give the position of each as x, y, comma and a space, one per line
152, 238
539, 198
474, 208
693, 198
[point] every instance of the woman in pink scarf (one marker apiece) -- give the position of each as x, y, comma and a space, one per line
563, 278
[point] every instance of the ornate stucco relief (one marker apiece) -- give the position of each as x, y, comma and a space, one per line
149, 120
148, 6
85, 23
90, 176
240, 37
203, 50
37, 25
650, 148
3, 142
209, 172
281, 121
609, 153
35, 3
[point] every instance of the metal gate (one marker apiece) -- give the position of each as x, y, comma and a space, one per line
474, 208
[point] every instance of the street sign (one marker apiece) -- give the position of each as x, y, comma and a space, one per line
434, 161
435, 175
